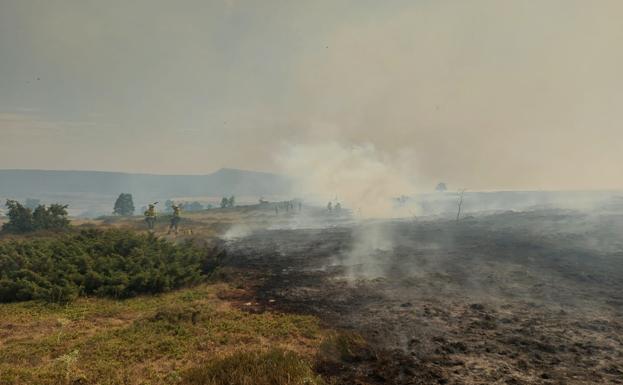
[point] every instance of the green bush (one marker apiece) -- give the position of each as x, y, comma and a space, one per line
110, 263
274, 367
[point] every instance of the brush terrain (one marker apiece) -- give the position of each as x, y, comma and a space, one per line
532, 297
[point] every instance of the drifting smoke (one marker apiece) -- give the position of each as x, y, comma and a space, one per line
371, 250
363, 180
359, 177
237, 231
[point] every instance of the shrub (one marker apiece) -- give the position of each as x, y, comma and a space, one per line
112, 263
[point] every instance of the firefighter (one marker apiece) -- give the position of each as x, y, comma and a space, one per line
175, 219
150, 216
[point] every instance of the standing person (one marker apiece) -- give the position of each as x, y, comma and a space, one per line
150, 216
175, 219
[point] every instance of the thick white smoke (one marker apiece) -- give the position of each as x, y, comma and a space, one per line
358, 176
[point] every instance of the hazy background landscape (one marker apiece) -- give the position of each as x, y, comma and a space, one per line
350, 192
92, 194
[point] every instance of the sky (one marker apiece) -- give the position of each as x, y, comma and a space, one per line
481, 94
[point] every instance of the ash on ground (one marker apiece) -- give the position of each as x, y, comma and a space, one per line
510, 298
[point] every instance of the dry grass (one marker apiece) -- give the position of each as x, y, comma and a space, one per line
272, 367
202, 224
343, 347
144, 340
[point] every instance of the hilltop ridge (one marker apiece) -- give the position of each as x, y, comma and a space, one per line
19, 183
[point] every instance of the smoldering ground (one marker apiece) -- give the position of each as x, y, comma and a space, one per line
522, 289
371, 185
511, 297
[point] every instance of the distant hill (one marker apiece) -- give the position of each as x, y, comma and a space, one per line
22, 183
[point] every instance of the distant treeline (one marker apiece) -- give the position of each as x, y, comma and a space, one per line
103, 263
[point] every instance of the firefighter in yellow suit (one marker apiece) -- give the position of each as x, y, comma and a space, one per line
175, 219
150, 216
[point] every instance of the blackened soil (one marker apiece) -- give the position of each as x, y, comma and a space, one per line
511, 298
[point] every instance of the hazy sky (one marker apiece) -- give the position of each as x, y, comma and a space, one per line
482, 94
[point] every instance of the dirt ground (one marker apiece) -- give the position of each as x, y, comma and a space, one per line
509, 298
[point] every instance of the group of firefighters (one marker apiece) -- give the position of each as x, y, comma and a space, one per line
150, 217
331, 207
150, 214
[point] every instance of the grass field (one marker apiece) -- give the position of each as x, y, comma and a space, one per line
165, 339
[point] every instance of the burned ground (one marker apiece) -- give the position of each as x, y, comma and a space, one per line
511, 298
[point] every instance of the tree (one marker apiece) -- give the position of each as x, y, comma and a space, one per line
53, 217
232, 201
124, 205
441, 187
20, 218
460, 204
224, 202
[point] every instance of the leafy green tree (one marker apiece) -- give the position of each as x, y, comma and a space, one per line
124, 205
52, 217
232, 201
224, 202
23, 220
20, 218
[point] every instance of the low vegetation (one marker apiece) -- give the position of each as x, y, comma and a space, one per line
272, 367
343, 347
180, 337
104, 263
111, 305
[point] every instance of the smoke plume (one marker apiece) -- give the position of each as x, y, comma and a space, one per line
359, 177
